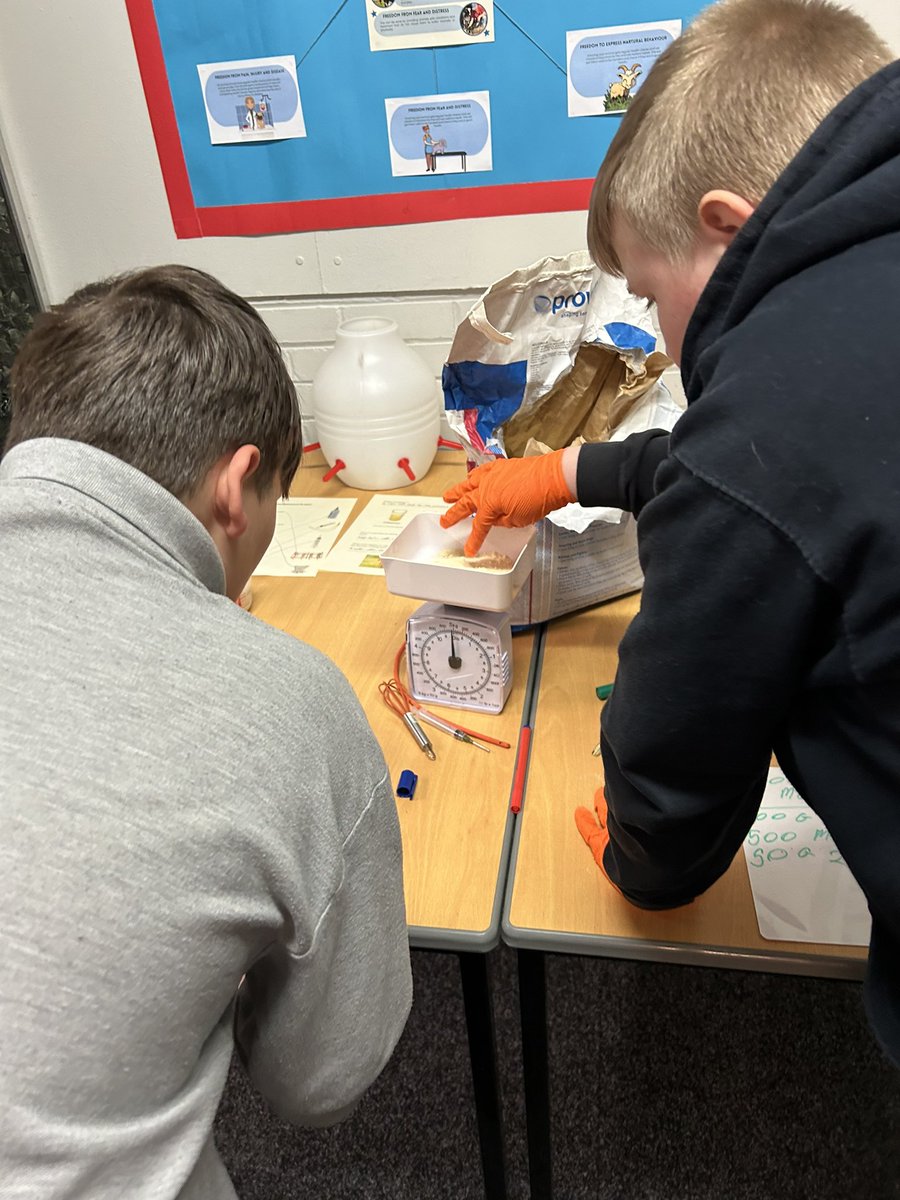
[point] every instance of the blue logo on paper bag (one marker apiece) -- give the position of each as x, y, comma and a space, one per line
567, 305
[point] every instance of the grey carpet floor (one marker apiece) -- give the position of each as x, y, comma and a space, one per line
667, 1083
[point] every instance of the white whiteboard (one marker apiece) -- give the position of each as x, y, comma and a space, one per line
78, 153
802, 889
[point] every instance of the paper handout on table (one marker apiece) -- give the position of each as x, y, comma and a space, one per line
359, 553
305, 530
802, 888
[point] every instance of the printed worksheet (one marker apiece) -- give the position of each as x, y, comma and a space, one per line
359, 553
802, 888
305, 530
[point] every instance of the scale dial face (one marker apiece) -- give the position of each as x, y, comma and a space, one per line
459, 661
469, 660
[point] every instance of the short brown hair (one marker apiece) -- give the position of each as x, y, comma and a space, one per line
727, 105
165, 368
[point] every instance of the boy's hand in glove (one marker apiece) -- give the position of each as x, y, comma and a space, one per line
593, 829
512, 492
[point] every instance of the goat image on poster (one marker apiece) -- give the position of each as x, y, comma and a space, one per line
605, 66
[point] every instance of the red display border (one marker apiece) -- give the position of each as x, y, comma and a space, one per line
297, 216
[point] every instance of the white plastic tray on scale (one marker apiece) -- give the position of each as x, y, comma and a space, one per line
458, 646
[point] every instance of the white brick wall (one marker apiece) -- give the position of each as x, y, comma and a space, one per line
426, 321
305, 328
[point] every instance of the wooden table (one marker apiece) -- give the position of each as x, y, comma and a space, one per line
457, 830
558, 900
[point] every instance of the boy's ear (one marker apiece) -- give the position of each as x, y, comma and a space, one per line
721, 214
228, 494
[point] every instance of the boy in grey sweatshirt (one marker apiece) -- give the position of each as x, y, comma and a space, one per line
198, 840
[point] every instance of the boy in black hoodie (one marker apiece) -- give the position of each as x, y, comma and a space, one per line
753, 193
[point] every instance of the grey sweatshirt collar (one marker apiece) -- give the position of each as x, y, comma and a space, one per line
126, 492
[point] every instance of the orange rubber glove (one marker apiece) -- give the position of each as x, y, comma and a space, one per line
594, 831
509, 491
596, 835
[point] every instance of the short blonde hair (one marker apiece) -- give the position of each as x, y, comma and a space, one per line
727, 105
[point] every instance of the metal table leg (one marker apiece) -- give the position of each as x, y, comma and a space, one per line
535, 1064
485, 1080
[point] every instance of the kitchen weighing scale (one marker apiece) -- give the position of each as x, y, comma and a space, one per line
459, 645
460, 657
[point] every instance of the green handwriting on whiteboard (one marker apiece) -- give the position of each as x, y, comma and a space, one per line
772, 836
787, 830
774, 845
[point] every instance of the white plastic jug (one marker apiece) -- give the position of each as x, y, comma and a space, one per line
376, 408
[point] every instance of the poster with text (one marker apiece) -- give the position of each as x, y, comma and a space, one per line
252, 100
440, 135
409, 24
606, 66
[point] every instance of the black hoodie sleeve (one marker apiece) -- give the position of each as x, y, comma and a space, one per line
620, 474
707, 670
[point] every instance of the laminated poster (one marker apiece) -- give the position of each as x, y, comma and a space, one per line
802, 888
440, 135
408, 24
606, 66
252, 100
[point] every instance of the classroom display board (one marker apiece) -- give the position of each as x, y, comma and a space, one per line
296, 115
